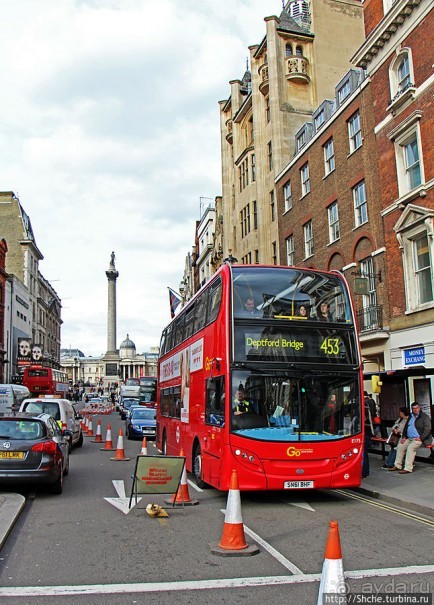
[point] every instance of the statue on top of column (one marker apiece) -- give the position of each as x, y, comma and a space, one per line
112, 261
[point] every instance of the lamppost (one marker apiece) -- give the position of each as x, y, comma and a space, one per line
75, 372
230, 259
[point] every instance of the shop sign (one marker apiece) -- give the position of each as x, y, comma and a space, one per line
414, 357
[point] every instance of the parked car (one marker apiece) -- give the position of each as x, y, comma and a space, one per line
11, 396
33, 450
62, 411
141, 423
125, 406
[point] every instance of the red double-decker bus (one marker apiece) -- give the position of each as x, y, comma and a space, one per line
45, 381
148, 391
261, 373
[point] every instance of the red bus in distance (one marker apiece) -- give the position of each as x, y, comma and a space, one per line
261, 372
45, 381
148, 391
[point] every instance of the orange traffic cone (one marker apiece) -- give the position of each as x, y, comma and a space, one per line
108, 447
120, 452
90, 428
83, 422
233, 542
144, 450
332, 577
182, 495
98, 437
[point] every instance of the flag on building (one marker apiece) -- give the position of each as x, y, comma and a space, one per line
174, 299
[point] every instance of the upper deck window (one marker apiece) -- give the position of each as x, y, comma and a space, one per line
280, 293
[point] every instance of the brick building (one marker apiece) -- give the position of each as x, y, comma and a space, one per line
329, 205
398, 57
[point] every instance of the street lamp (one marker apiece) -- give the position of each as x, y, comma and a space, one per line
230, 259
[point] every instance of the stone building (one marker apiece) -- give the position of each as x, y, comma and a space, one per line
294, 67
3, 276
32, 306
397, 56
91, 370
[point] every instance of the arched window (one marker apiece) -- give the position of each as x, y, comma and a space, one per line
404, 73
299, 51
288, 50
401, 77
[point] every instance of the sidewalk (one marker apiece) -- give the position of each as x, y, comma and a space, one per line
11, 506
414, 492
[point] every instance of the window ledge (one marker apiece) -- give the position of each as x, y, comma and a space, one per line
303, 196
402, 97
420, 308
286, 211
333, 242
420, 191
354, 151
361, 225
328, 174
308, 257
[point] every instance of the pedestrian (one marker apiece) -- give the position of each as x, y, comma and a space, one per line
369, 432
395, 436
416, 432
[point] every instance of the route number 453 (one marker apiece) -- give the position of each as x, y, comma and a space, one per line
330, 346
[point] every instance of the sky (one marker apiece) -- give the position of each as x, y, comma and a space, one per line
109, 136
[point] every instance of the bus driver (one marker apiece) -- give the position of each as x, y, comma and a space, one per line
240, 404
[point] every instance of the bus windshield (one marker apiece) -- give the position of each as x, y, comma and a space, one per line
301, 294
279, 407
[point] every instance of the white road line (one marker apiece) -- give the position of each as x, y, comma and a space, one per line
48, 591
304, 505
194, 486
119, 486
272, 551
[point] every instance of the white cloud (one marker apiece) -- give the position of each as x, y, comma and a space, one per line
109, 134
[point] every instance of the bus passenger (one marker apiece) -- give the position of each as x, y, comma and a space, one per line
324, 312
240, 404
249, 308
303, 312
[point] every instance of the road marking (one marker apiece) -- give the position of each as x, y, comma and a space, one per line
304, 505
49, 591
272, 551
387, 507
194, 486
122, 502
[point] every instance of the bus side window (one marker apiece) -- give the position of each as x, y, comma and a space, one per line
162, 342
189, 321
214, 300
215, 401
200, 311
179, 332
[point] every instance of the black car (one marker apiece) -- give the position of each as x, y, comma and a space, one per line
33, 450
125, 406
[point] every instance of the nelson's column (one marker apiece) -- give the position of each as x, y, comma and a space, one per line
111, 358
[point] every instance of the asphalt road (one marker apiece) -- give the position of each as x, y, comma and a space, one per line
80, 548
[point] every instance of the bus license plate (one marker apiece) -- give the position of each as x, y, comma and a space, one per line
298, 485
14, 455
